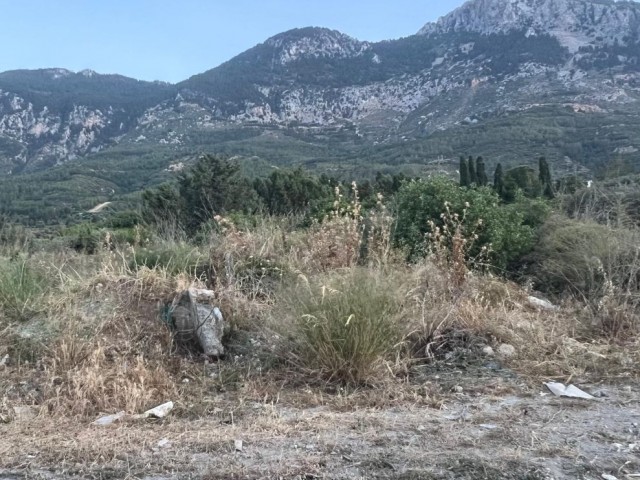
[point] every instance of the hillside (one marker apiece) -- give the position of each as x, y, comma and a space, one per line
506, 79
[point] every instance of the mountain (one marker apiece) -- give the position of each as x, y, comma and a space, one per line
52, 115
507, 79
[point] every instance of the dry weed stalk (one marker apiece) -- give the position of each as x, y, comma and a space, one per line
336, 241
450, 246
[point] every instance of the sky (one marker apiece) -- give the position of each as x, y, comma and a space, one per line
170, 40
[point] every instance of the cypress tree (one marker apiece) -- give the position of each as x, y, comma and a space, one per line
481, 173
498, 180
473, 178
544, 175
464, 172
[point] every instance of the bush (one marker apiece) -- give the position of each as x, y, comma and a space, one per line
501, 229
345, 327
580, 256
22, 289
598, 264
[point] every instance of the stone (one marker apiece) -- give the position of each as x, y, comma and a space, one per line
542, 304
160, 411
506, 351
196, 320
488, 351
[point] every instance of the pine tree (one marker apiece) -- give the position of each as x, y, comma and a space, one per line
464, 172
498, 180
473, 178
481, 174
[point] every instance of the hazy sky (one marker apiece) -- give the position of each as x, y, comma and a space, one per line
173, 39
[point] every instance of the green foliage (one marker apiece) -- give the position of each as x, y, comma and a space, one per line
84, 238
481, 173
498, 180
522, 179
290, 191
465, 178
214, 186
124, 219
501, 228
473, 177
583, 256
544, 177
345, 327
22, 289
162, 204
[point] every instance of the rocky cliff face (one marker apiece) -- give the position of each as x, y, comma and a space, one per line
575, 23
46, 138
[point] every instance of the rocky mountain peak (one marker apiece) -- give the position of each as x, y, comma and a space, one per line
314, 42
574, 23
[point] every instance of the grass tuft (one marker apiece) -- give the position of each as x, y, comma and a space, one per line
345, 325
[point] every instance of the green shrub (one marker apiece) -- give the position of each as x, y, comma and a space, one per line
598, 264
83, 238
581, 256
345, 327
22, 289
506, 230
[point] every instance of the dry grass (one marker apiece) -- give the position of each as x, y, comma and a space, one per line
100, 344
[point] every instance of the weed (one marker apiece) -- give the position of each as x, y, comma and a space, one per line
22, 289
345, 326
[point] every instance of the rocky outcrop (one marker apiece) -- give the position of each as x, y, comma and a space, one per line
575, 23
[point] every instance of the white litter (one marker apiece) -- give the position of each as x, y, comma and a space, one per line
109, 419
160, 411
560, 390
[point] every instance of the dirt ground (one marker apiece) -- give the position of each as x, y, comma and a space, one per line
487, 425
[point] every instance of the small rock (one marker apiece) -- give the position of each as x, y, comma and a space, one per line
601, 394
237, 445
4, 360
542, 304
160, 411
488, 351
505, 350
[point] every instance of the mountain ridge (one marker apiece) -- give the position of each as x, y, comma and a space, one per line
317, 97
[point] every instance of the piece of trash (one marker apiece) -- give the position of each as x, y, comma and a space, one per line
164, 443
606, 476
160, 411
237, 445
559, 390
488, 426
109, 419
4, 360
